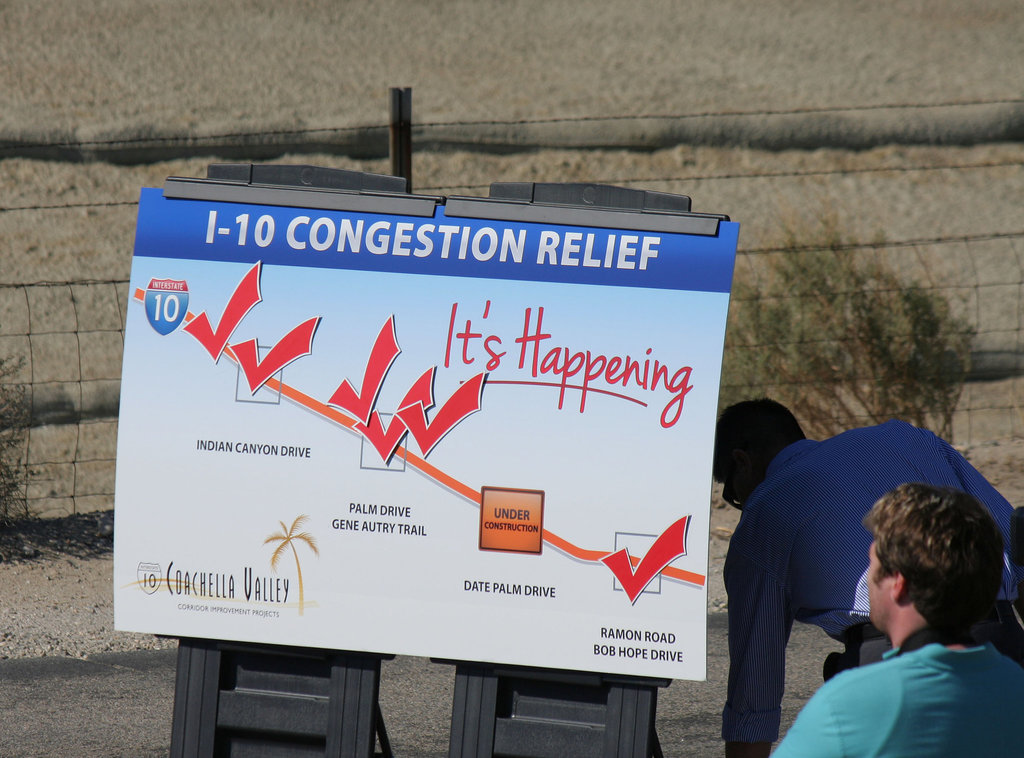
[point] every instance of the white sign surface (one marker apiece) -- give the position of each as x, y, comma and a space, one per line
465, 439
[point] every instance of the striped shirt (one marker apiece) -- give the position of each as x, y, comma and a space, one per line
800, 552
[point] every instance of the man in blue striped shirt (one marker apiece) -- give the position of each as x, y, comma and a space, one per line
800, 549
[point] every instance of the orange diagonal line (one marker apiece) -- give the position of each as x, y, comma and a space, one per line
439, 476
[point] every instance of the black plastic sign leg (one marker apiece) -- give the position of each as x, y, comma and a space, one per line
539, 713
266, 701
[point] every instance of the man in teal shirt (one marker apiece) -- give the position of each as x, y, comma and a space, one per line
935, 567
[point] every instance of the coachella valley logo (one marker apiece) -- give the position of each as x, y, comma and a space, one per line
287, 538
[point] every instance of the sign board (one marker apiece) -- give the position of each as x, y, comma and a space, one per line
472, 430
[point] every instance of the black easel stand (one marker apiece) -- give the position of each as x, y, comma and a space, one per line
264, 701
541, 713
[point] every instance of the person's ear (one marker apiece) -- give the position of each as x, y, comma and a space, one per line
743, 462
743, 479
900, 591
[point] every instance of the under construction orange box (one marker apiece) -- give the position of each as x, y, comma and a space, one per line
511, 520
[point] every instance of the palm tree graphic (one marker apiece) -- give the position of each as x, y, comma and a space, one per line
288, 537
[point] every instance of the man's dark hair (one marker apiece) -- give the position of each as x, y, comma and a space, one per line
947, 547
753, 425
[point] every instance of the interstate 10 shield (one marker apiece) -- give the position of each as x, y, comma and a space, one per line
166, 303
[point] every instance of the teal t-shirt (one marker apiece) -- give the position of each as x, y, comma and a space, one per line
930, 702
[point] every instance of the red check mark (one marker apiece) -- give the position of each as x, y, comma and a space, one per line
413, 410
243, 299
384, 441
382, 355
669, 546
297, 343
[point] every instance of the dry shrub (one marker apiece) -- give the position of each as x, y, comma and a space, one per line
826, 327
13, 427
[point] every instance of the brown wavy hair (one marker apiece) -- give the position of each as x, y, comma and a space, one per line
947, 547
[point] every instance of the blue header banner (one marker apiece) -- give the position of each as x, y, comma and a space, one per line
438, 245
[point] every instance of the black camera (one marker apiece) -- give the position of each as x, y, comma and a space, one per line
1017, 536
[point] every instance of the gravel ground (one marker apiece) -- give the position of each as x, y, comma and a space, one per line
57, 594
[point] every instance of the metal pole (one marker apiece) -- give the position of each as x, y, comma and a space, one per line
401, 134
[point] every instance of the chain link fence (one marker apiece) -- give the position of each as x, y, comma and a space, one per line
69, 338
65, 335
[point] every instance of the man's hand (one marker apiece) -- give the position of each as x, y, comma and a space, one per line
747, 749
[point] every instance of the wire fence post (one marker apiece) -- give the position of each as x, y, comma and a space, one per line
401, 134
